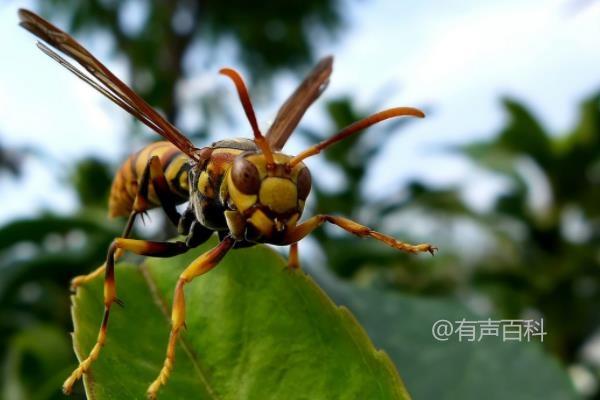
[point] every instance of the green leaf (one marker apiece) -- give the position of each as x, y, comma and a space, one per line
524, 134
401, 325
255, 330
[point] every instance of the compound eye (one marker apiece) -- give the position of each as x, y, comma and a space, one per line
245, 176
304, 182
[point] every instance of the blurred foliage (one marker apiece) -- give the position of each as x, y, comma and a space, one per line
36, 364
396, 323
92, 179
38, 258
545, 227
11, 160
555, 264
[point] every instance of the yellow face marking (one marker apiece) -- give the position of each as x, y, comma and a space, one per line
281, 158
242, 201
291, 223
261, 164
279, 194
261, 222
296, 170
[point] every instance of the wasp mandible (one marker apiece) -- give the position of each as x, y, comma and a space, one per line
245, 190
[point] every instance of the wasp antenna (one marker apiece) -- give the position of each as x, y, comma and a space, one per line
259, 139
356, 127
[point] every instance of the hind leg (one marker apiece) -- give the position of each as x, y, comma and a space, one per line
153, 172
141, 247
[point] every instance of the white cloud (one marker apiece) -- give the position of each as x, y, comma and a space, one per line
459, 58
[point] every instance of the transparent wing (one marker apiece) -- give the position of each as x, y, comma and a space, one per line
293, 109
107, 83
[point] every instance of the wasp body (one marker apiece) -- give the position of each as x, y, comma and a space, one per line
246, 190
240, 198
125, 185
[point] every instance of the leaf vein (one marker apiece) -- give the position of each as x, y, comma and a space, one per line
161, 303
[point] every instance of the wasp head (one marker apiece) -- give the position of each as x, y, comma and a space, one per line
268, 196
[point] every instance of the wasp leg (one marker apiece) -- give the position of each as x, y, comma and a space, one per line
199, 266
152, 172
83, 279
293, 262
141, 247
300, 231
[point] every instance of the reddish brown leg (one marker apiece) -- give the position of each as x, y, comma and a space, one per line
355, 228
199, 266
142, 247
293, 261
83, 279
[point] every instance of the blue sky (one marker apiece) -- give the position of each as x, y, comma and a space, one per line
457, 58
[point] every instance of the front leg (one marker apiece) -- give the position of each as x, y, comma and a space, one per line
302, 230
293, 261
199, 266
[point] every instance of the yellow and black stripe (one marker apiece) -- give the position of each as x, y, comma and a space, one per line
175, 165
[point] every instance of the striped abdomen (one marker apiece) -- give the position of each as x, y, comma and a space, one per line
175, 165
